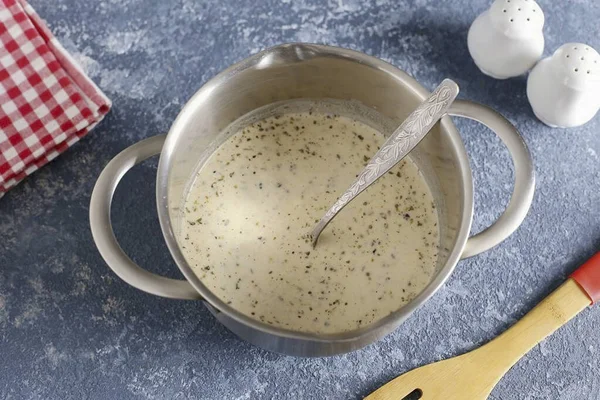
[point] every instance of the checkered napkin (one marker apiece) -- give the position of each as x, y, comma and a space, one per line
47, 103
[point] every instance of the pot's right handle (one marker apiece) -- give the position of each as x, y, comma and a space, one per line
102, 230
522, 196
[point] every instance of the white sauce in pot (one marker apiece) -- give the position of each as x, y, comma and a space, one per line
253, 203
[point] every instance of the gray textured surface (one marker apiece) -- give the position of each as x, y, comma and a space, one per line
69, 329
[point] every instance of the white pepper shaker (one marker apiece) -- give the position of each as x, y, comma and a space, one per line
564, 89
507, 40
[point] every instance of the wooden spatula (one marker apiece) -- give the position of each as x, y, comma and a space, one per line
473, 375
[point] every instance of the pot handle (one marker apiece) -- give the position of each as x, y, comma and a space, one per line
104, 236
522, 195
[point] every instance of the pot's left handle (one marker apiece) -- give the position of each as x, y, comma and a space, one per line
104, 237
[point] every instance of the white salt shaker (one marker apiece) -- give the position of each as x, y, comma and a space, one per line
507, 40
564, 89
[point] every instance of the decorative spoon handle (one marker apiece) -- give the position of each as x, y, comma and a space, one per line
396, 147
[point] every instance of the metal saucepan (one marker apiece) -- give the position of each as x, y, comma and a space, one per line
295, 71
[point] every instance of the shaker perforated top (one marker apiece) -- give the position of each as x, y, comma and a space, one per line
517, 18
577, 65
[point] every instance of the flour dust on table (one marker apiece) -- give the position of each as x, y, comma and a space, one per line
250, 209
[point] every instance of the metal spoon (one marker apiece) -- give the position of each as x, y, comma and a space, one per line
396, 147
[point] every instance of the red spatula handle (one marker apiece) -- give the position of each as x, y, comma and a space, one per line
588, 277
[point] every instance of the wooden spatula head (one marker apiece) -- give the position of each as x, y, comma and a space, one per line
472, 376
450, 379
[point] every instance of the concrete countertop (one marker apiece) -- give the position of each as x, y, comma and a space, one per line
70, 329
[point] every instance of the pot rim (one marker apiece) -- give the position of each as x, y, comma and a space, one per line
392, 320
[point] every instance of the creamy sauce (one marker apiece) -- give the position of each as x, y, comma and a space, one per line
253, 203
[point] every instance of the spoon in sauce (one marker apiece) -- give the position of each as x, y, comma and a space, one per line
408, 135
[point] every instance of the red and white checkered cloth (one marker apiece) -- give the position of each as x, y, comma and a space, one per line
47, 103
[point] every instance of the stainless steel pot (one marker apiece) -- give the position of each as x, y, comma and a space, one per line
294, 71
